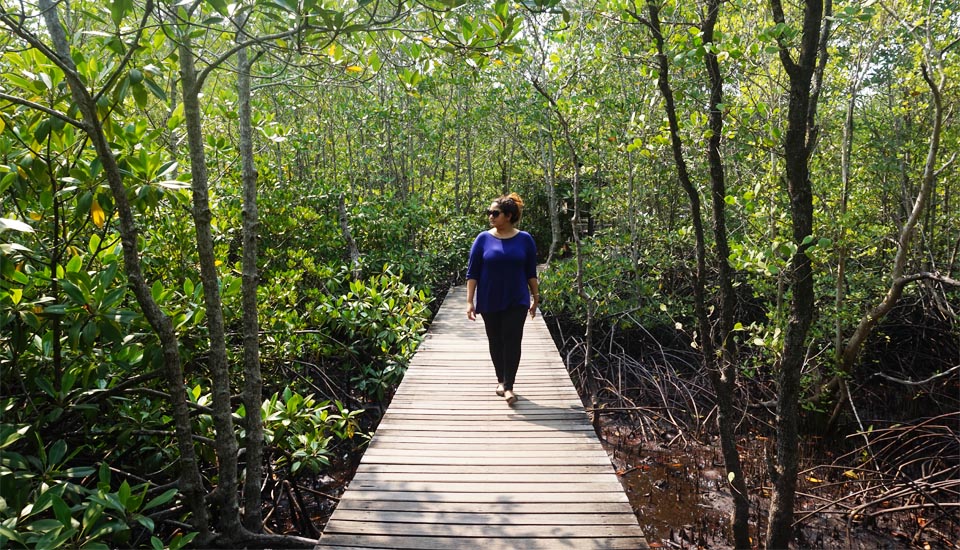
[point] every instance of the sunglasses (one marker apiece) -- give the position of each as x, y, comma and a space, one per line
494, 213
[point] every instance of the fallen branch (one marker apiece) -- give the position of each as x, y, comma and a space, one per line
919, 383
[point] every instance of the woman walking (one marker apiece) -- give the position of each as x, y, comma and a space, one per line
502, 287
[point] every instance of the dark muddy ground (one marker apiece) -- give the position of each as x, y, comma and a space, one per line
682, 500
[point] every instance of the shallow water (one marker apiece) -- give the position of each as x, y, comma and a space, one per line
676, 494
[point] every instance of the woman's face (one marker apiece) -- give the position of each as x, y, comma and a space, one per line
500, 221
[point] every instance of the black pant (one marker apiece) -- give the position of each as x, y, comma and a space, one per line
504, 334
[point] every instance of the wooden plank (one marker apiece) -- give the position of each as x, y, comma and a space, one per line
496, 445
466, 438
453, 466
481, 452
336, 540
490, 427
490, 461
505, 518
476, 531
482, 469
558, 508
491, 487
488, 476
569, 498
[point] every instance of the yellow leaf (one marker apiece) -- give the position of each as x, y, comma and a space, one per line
96, 212
355, 69
16, 295
851, 474
3, 124
812, 479
218, 263
332, 52
35, 216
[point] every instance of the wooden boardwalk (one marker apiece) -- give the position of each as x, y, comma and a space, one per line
452, 466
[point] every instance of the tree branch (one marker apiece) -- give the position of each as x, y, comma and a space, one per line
777, 7
918, 383
129, 55
52, 112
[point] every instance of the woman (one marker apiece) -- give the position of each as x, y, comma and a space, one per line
502, 287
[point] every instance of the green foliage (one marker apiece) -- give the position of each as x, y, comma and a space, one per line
614, 286
47, 504
376, 324
301, 429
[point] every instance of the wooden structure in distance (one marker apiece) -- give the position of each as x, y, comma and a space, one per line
452, 466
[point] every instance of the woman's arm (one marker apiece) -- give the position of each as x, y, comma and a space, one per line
474, 267
534, 285
471, 290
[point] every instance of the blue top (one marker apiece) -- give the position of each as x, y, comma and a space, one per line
501, 268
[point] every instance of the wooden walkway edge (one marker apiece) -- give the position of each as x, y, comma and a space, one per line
452, 466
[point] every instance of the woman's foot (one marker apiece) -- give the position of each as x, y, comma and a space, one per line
510, 397
500, 390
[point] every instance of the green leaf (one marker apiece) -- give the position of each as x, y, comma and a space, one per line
57, 452
109, 529
220, 6
61, 510
123, 494
45, 525
166, 497
119, 8
75, 263
74, 293
158, 92
91, 515
140, 95
94, 245
146, 522
10, 534
156, 291
79, 471
9, 435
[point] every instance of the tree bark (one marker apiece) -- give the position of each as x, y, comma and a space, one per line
252, 378
191, 484
348, 237
549, 180
797, 150
226, 495
724, 373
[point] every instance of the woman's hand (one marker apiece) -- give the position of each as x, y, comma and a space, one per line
534, 302
470, 312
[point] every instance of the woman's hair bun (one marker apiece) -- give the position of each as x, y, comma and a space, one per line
516, 198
